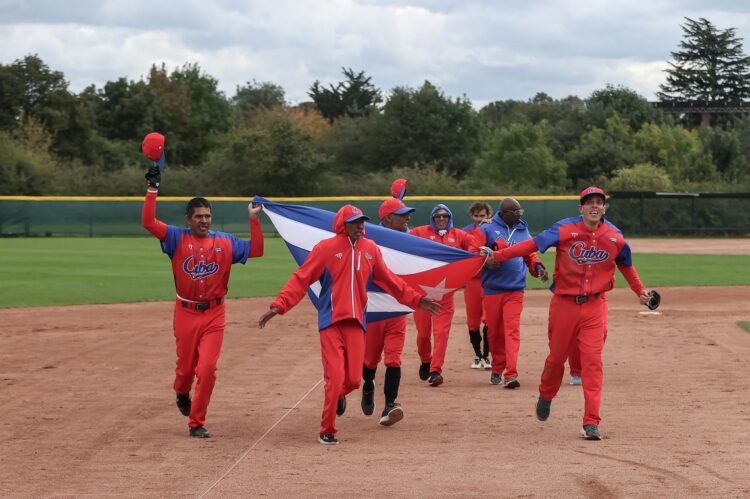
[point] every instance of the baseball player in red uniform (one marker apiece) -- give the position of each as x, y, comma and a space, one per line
201, 263
440, 230
386, 338
473, 294
343, 264
588, 250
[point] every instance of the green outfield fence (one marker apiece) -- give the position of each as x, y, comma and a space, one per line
636, 213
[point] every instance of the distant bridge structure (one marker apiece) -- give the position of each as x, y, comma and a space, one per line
705, 108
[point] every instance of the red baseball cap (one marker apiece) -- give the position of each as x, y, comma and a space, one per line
153, 148
393, 206
592, 191
398, 188
352, 214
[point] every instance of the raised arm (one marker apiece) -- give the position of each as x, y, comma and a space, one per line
148, 215
256, 231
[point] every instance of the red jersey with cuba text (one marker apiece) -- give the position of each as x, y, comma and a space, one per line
201, 265
585, 260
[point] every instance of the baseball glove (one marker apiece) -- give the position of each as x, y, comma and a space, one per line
654, 301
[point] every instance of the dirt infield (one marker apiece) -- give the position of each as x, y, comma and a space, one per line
89, 410
693, 246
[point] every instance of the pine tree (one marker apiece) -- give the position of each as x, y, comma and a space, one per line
710, 65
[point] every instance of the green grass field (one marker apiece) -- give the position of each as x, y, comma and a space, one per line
66, 271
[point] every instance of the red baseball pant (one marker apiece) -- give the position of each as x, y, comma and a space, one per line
342, 350
438, 326
385, 337
571, 323
574, 360
504, 330
198, 336
473, 295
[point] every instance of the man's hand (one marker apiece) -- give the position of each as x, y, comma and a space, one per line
253, 210
267, 317
153, 176
541, 273
430, 305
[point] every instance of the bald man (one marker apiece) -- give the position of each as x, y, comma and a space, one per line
503, 288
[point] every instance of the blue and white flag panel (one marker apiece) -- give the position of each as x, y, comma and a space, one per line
425, 265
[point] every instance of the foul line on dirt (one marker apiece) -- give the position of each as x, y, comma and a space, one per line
244, 454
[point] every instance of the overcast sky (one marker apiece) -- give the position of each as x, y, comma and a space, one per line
485, 50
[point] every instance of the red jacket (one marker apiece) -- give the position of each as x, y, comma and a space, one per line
453, 237
343, 270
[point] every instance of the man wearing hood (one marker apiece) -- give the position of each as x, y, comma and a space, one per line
440, 230
503, 288
343, 264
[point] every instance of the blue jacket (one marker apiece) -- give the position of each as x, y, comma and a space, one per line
511, 276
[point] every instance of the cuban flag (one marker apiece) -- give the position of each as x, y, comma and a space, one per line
434, 268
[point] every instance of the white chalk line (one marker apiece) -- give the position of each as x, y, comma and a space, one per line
244, 454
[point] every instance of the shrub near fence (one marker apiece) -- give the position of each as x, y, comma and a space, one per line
636, 213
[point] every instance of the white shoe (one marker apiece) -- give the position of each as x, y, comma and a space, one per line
575, 380
487, 363
478, 363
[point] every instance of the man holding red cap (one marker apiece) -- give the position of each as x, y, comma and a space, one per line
588, 250
386, 337
343, 264
201, 263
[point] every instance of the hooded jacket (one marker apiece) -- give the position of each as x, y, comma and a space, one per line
343, 269
451, 236
511, 276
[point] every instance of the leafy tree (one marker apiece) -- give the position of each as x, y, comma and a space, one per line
710, 65
424, 127
604, 103
726, 150
355, 97
520, 157
641, 177
254, 97
676, 150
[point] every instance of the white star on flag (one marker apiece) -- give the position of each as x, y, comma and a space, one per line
437, 292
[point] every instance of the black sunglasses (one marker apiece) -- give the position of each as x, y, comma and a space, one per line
442, 215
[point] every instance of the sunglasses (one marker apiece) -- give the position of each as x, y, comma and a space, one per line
442, 216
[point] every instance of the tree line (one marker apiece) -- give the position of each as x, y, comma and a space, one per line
352, 138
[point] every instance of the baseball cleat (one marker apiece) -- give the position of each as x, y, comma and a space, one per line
435, 379
512, 383
543, 408
591, 432
368, 400
183, 403
496, 379
328, 439
424, 371
199, 432
477, 364
392, 414
575, 380
341, 406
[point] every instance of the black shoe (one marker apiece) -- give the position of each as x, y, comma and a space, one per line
542, 408
183, 403
435, 379
328, 439
341, 406
512, 383
424, 371
368, 400
591, 432
199, 432
392, 414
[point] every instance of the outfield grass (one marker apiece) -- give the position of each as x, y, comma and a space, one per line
744, 325
66, 271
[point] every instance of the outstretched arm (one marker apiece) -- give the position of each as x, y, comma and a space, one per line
520, 249
402, 292
256, 231
148, 215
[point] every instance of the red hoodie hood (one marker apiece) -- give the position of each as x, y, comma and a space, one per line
347, 213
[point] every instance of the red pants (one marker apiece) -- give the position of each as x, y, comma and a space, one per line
438, 326
473, 299
569, 324
574, 360
342, 349
504, 330
386, 336
198, 336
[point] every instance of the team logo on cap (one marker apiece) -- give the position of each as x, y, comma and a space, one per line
355, 210
199, 270
584, 255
